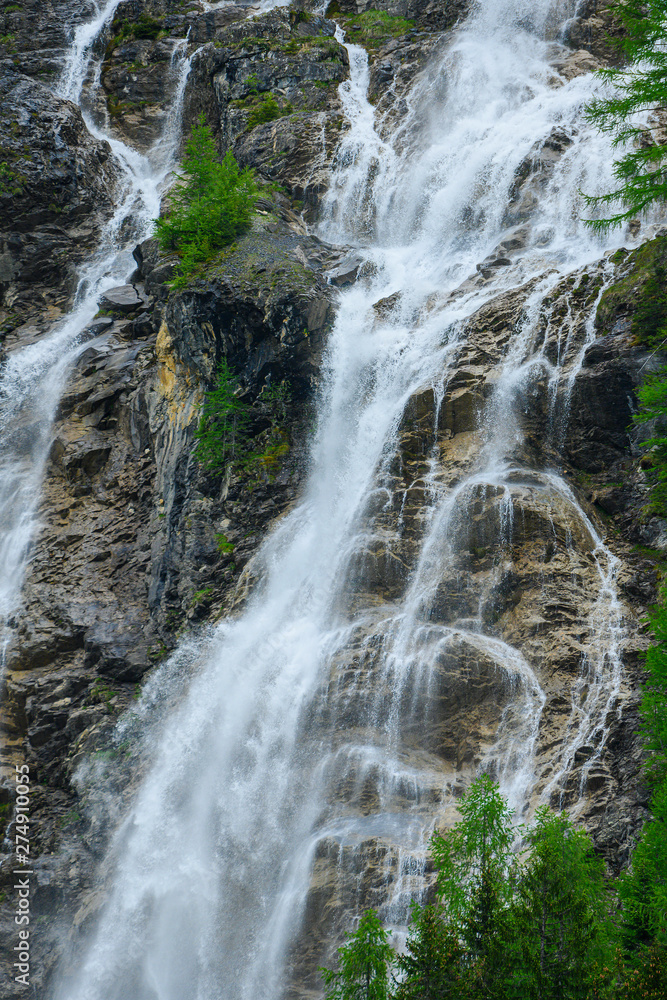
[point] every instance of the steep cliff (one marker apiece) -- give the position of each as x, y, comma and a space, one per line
140, 550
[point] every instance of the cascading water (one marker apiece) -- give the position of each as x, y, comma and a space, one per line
314, 738
32, 379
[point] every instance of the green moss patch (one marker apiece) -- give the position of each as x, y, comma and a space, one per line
145, 27
642, 292
264, 109
372, 28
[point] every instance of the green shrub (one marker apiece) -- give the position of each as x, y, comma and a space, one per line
212, 204
373, 28
145, 27
267, 111
223, 427
653, 407
225, 547
10, 182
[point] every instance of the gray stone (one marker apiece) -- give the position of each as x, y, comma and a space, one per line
123, 299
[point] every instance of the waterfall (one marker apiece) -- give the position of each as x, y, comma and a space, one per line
302, 747
32, 379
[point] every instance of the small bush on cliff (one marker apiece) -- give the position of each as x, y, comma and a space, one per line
223, 426
212, 204
639, 89
267, 110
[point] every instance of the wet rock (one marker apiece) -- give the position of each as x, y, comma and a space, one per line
346, 272
594, 29
275, 81
122, 299
55, 198
140, 542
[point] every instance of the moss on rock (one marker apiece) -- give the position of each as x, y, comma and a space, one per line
641, 292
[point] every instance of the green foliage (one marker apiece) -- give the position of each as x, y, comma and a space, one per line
267, 111
643, 890
101, 692
559, 913
364, 964
431, 964
473, 860
223, 426
372, 28
10, 182
200, 596
225, 547
500, 929
210, 207
145, 27
649, 323
654, 700
640, 88
157, 652
648, 980
653, 408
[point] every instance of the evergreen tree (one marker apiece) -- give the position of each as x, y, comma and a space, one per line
210, 206
654, 697
224, 422
653, 409
638, 89
364, 964
473, 861
643, 890
430, 967
559, 914
474, 885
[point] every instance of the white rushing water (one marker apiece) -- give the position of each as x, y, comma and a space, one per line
32, 379
301, 740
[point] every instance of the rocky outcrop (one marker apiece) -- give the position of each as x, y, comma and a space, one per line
595, 28
57, 189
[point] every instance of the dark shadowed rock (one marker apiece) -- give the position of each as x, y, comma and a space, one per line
55, 195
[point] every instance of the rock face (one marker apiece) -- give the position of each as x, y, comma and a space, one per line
142, 545
56, 191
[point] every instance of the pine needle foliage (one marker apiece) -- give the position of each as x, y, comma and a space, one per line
364, 964
473, 861
559, 912
431, 963
652, 410
223, 426
638, 92
210, 206
643, 889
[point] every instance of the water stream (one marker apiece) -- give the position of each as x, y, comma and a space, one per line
32, 379
302, 754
